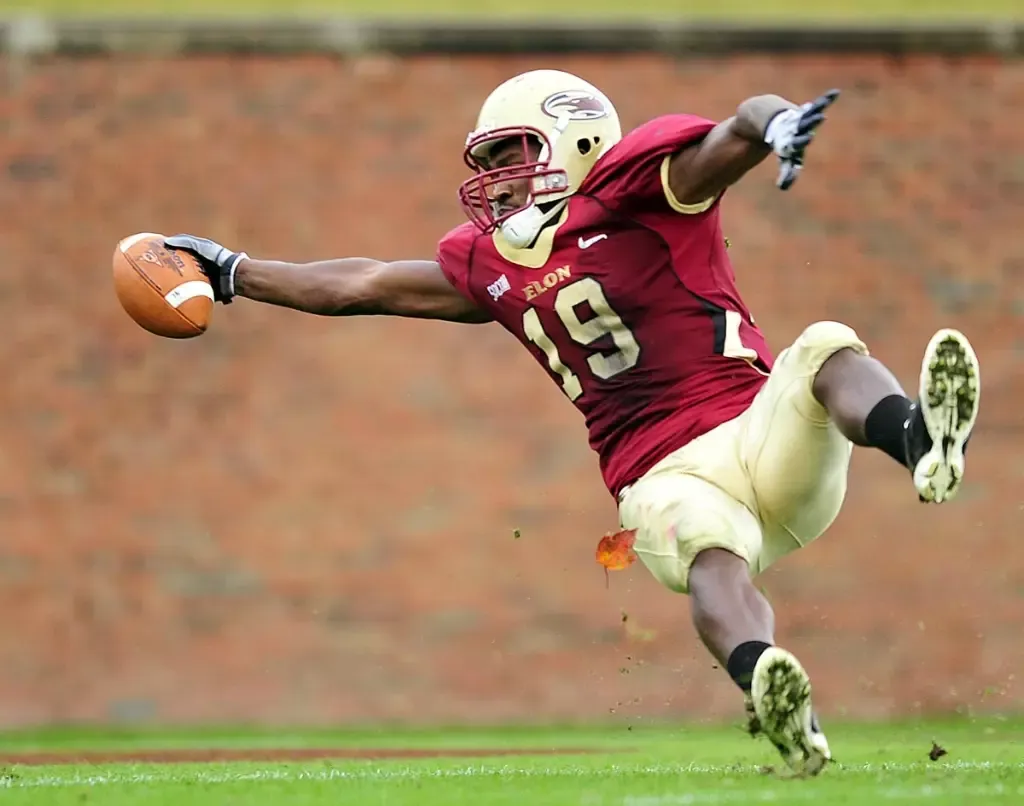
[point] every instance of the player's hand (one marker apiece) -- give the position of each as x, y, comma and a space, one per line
218, 262
790, 132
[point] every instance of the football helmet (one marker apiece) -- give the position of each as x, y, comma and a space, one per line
571, 122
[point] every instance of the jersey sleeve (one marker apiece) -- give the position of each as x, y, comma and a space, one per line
453, 256
634, 173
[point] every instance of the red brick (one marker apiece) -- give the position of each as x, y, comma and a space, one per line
300, 519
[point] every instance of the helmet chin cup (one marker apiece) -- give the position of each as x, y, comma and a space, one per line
521, 228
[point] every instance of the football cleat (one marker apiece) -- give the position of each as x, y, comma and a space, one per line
944, 415
781, 697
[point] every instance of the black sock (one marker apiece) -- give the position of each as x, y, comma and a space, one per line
743, 660
884, 427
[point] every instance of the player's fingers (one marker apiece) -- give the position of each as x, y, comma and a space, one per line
787, 174
794, 173
181, 242
809, 123
824, 100
800, 142
816, 107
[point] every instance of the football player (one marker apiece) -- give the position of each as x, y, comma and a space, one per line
604, 255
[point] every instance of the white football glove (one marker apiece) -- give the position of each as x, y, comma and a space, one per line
791, 131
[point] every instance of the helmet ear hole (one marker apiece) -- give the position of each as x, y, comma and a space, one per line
584, 144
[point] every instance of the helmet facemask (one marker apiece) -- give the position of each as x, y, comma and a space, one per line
544, 183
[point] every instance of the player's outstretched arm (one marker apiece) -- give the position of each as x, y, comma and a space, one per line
354, 286
761, 125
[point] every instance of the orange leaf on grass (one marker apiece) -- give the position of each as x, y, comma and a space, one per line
615, 552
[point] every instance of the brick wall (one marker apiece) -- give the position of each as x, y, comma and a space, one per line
305, 520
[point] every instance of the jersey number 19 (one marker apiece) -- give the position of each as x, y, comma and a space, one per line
606, 322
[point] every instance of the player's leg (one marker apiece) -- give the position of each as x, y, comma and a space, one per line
797, 461
928, 436
825, 392
729, 612
695, 538
736, 624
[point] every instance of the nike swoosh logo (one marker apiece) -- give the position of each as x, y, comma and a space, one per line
587, 242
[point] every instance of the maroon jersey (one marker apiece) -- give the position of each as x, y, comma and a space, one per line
630, 304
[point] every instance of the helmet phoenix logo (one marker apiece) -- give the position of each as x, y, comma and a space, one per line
575, 104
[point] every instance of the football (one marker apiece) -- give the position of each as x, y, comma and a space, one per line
163, 290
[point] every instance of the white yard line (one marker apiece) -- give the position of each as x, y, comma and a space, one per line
795, 795
771, 793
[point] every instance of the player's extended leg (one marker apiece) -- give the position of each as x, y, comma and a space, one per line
736, 624
695, 538
824, 393
928, 436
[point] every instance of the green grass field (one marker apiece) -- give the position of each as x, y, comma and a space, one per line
737, 10
644, 766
